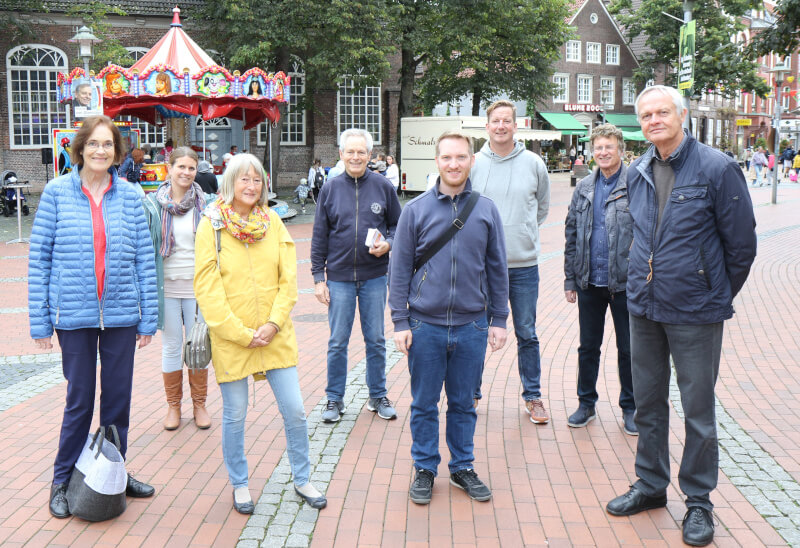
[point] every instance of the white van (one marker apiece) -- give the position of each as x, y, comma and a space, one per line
419, 134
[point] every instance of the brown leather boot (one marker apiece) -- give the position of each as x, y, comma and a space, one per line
198, 383
173, 386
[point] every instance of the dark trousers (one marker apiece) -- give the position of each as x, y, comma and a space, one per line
79, 349
592, 304
695, 352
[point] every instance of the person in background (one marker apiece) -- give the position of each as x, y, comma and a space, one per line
205, 177
759, 162
228, 156
578, 161
316, 177
246, 284
787, 156
147, 149
131, 168
173, 213
167, 150
598, 233
105, 304
393, 172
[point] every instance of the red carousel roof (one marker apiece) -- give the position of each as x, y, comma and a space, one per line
176, 49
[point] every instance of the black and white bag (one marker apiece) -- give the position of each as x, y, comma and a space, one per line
96, 489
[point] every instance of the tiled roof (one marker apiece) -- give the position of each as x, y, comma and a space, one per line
131, 7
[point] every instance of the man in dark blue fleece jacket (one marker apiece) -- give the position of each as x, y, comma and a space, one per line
349, 205
448, 308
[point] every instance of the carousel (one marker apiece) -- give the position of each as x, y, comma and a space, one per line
173, 81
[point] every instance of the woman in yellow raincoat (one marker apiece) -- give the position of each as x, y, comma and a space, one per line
246, 285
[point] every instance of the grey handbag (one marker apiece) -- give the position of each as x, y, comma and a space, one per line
96, 489
197, 348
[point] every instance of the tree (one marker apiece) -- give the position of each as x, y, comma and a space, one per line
95, 16
784, 34
720, 64
15, 27
486, 48
332, 39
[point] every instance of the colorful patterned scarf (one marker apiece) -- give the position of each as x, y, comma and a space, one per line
249, 230
193, 199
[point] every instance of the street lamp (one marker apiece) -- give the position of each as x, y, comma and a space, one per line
85, 40
778, 72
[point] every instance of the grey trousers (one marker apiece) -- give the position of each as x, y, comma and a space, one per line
695, 351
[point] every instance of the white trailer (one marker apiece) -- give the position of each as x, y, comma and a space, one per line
418, 136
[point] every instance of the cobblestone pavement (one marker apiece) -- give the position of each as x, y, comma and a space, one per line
550, 483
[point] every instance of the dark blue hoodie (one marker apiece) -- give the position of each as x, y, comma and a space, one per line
346, 209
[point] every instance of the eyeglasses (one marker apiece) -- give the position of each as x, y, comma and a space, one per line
247, 181
94, 145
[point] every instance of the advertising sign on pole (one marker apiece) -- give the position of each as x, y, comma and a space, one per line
686, 60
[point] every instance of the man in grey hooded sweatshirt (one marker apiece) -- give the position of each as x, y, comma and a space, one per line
516, 180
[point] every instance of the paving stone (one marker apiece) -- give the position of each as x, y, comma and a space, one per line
256, 533
297, 541
278, 531
303, 527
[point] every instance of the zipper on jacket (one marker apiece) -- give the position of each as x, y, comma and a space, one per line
255, 300
453, 242
422, 281
355, 248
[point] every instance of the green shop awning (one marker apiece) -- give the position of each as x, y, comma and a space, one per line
628, 135
623, 120
566, 123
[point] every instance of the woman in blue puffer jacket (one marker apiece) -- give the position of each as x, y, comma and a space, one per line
92, 279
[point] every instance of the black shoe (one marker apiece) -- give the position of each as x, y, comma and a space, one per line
698, 527
583, 416
138, 489
633, 502
422, 488
245, 507
628, 424
468, 480
58, 501
318, 503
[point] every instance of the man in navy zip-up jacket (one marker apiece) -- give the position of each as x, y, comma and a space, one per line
694, 241
445, 311
349, 205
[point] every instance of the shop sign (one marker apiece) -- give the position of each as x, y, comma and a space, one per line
744, 122
574, 107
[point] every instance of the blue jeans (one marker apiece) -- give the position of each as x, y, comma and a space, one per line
523, 291
286, 389
592, 304
371, 296
758, 169
178, 318
453, 356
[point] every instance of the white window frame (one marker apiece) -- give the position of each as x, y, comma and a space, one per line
136, 52
608, 81
612, 59
573, 51
785, 98
55, 113
146, 131
588, 97
294, 128
564, 98
596, 48
628, 91
350, 105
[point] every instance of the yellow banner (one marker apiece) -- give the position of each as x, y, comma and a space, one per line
744, 122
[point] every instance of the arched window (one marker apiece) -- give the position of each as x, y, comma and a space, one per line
294, 126
136, 52
33, 108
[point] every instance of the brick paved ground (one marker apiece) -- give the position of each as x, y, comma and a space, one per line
550, 482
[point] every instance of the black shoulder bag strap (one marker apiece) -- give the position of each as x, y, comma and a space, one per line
455, 226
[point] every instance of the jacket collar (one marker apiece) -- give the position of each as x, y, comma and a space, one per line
621, 184
441, 196
75, 178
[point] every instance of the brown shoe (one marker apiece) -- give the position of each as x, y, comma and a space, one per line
536, 410
198, 384
173, 387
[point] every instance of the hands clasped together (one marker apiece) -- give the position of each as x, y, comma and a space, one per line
263, 335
